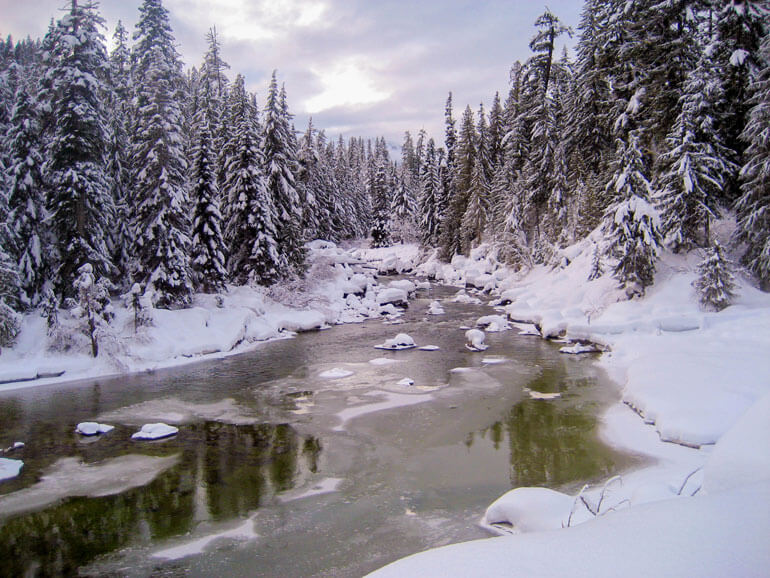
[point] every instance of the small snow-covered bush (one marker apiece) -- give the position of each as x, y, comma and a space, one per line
715, 283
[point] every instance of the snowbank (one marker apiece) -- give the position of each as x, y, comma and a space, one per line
339, 288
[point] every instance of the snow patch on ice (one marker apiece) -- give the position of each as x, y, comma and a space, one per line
92, 428
390, 400
244, 532
155, 431
10, 468
335, 373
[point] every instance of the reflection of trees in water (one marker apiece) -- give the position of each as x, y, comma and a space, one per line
224, 471
552, 443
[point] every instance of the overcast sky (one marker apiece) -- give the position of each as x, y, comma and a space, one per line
359, 67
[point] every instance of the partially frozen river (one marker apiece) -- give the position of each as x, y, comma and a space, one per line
284, 468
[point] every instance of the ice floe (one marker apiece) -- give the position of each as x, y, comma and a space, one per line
335, 373
92, 428
10, 468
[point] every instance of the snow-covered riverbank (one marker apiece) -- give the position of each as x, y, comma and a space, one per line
697, 378
338, 288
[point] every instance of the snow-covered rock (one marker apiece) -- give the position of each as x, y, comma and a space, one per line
406, 382
493, 323
393, 296
474, 340
92, 428
530, 510
463, 297
155, 431
578, 348
400, 341
404, 284
10, 468
435, 308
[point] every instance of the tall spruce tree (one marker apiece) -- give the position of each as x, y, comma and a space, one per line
160, 200
29, 242
207, 256
281, 168
464, 161
695, 167
715, 283
78, 197
753, 207
631, 222
250, 217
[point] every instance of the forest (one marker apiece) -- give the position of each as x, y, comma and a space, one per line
126, 173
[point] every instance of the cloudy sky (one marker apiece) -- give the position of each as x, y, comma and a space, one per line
359, 67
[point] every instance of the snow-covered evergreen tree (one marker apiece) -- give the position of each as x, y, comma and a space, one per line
29, 241
753, 207
429, 203
715, 283
10, 321
281, 167
464, 161
93, 305
161, 202
78, 198
631, 223
118, 155
207, 256
695, 167
380, 193
250, 217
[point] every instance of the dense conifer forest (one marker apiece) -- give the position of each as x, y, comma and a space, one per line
124, 172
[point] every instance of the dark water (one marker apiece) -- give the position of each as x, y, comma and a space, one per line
259, 430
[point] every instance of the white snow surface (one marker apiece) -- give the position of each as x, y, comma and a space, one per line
335, 373
400, 341
474, 339
244, 532
694, 377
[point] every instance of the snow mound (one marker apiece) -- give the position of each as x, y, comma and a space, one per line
335, 373
406, 382
392, 296
429, 348
463, 297
435, 308
404, 284
474, 339
493, 323
155, 431
579, 348
742, 455
10, 468
530, 510
92, 428
400, 341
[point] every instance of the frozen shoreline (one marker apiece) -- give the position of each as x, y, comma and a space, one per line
699, 379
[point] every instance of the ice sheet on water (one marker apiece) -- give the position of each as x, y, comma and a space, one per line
70, 477
10, 468
243, 532
335, 373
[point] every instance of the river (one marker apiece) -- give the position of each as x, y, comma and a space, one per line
279, 471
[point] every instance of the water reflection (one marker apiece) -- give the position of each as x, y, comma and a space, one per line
225, 471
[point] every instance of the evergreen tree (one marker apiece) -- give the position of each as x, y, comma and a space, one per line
120, 236
29, 241
740, 26
207, 251
281, 167
380, 193
429, 205
10, 321
161, 217
78, 198
631, 223
753, 207
695, 167
93, 305
250, 220
464, 161
715, 283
